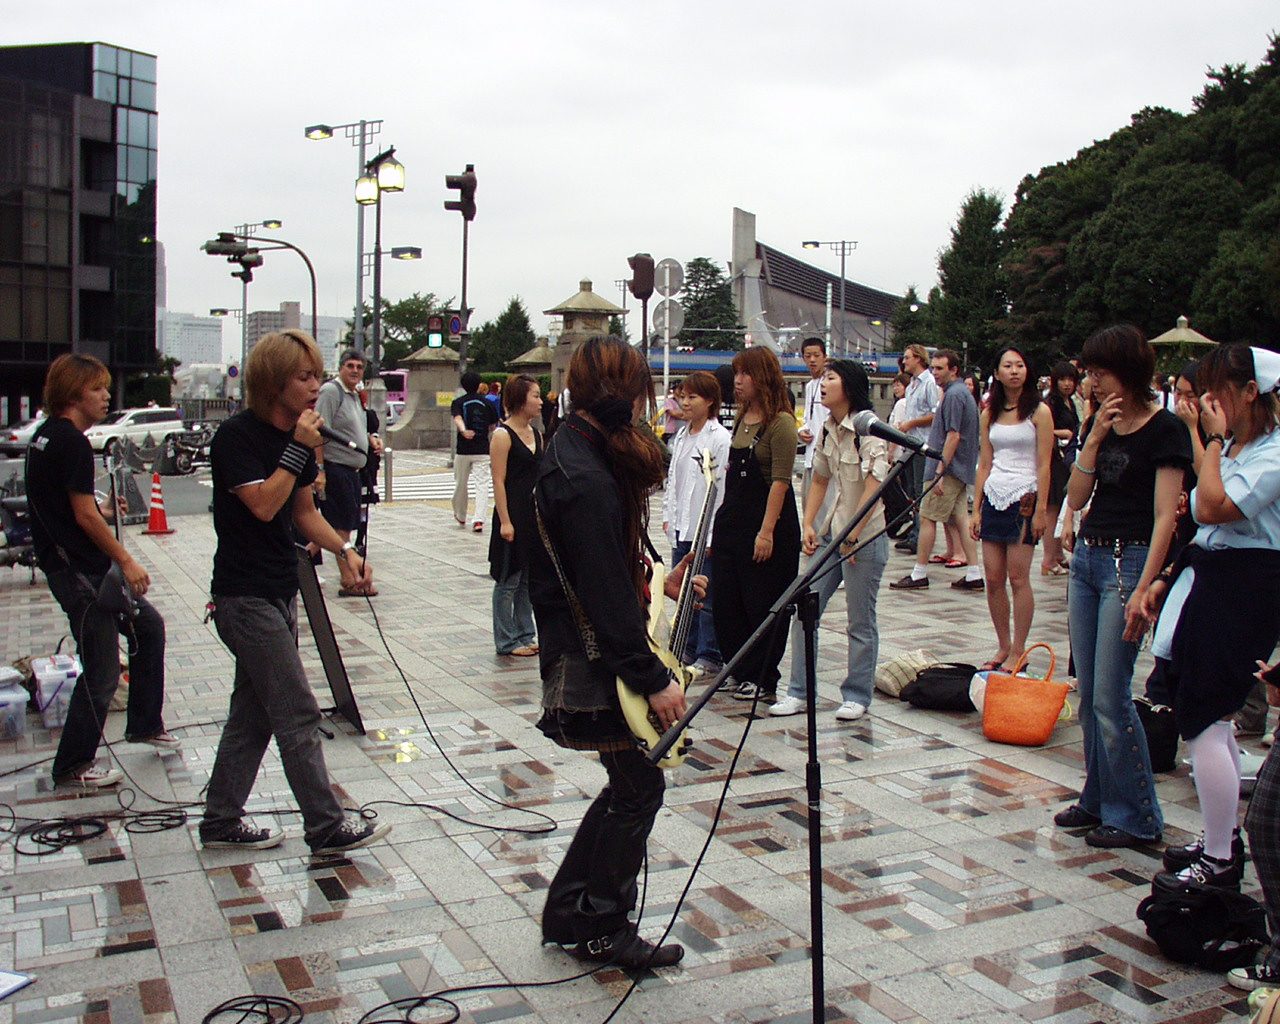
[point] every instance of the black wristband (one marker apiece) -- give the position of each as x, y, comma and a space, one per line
294, 457
1216, 437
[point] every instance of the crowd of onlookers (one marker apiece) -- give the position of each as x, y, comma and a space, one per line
1155, 499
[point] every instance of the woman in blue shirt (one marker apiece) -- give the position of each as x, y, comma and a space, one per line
1220, 614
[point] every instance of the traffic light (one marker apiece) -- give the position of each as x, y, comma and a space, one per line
248, 259
226, 244
435, 331
641, 283
465, 183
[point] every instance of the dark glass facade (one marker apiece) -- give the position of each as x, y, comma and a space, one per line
78, 143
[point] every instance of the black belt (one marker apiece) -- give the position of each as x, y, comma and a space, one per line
1111, 542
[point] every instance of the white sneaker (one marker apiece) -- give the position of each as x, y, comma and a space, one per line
850, 711
787, 705
93, 777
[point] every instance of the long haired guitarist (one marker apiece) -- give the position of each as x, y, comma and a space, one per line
589, 590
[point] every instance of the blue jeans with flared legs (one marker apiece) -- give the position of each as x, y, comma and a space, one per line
1118, 786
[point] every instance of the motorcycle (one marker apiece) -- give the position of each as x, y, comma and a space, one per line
16, 547
189, 451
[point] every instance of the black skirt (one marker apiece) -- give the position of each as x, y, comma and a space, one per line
1229, 621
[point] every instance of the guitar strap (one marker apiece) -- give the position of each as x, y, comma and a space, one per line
585, 629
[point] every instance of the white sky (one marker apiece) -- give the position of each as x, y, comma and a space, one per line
598, 131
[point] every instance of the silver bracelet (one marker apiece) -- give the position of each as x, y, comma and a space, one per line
1087, 472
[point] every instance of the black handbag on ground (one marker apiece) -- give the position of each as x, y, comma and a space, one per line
942, 687
1213, 928
1162, 733
897, 508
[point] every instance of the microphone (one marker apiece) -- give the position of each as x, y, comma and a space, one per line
336, 438
866, 422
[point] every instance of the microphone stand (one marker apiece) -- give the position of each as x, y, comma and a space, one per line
801, 596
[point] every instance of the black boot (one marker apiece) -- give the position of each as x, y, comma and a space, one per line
625, 949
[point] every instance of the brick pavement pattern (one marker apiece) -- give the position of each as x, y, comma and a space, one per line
949, 896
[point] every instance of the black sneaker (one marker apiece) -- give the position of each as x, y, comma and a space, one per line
1206, 871
1178, 857
242, 837
1076, 816
351, 835
627, 950
746, 691
1249, 978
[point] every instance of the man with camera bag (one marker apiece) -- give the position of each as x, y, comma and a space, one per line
76, 549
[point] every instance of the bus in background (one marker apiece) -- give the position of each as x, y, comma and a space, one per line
397, 382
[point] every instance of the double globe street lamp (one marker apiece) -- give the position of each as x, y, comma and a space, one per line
384, 173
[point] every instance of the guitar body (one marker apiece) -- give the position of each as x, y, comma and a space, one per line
667, 636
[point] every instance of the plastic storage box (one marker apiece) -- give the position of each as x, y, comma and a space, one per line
55, 679
13, 711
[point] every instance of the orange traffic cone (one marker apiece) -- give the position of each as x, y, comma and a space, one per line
158, 523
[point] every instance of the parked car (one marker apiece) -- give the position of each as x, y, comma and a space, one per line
395, 410
14, 439
136, 425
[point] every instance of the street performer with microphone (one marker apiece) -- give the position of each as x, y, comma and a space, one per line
263, 462
589, 590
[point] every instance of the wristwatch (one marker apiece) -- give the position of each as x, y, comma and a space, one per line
348, 546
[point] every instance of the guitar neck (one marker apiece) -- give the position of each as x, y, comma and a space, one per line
688, 596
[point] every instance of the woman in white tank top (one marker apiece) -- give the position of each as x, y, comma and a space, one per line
1016, 444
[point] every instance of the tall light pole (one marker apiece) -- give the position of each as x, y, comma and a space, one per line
384, 173
360, 133
843, 247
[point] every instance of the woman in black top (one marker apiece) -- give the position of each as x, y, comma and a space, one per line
514, 451
1131, 465
1063, 381
588, 583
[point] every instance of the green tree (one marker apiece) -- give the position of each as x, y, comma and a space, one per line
710, 319
911, 325
497, 342
972, 300
618, 328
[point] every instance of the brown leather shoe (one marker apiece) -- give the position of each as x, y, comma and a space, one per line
963, 584
910, 583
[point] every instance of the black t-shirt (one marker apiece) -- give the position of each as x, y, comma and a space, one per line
253, 559
1124, 498
59, 464
479, 415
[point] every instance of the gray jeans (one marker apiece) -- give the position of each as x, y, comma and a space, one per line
271, 697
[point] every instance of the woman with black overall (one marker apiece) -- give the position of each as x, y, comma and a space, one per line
757, 532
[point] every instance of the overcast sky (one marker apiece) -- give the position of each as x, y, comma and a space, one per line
600, 129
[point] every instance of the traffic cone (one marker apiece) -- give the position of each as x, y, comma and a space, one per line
158, 523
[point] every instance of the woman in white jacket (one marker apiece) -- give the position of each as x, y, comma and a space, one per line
685, 493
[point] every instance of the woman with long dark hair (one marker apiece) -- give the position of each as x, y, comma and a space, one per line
514, 452
1131, 466
588, 581
757, 530
1015, 446
1063, 381
1220, 614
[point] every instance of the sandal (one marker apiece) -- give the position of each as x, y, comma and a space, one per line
955, 563
938, 559
345, 592
523, 652
1053, 570
991, 666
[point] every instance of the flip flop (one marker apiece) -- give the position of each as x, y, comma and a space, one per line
344, 592
955, 563
937, 559
991, 666
523, 652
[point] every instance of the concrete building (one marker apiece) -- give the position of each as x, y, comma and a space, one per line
783, 300
78, 139
189, 338
330, 330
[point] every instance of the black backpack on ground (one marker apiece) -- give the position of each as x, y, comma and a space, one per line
943, 687
1213, 928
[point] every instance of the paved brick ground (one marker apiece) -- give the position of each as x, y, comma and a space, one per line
948, 893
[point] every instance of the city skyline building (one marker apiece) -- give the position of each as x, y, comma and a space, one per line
187, 337
78, 156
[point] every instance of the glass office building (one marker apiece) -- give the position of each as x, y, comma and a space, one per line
78, 142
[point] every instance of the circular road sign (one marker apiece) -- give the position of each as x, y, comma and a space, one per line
455, 324
668, 310
660, 281
233, 370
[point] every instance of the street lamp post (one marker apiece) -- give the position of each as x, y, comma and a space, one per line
384, 173
360, 133
843, 247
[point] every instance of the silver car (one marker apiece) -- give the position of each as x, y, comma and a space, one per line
14, 439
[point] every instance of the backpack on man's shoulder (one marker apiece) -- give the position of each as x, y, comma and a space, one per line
1206, 926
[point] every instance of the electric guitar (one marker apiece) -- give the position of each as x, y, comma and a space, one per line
114, 594
641, 720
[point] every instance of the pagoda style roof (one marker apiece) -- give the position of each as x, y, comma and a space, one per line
800, 278
1183, 335
586, 301
539, 355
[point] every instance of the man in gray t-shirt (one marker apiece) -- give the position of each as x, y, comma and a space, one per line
954, 432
